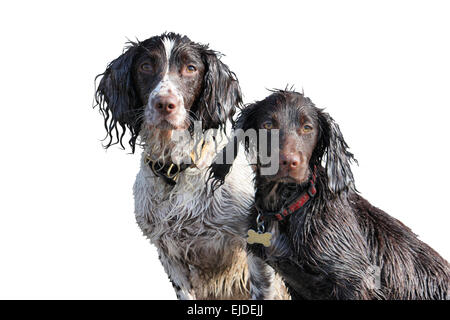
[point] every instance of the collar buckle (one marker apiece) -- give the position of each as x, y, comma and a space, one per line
169, 171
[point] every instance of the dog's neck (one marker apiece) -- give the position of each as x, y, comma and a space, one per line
273, 196
159, 145
181, 147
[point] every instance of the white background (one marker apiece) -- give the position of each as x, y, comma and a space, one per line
67, 228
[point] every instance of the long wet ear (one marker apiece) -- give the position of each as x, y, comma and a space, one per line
220, 168
117, 99
221, 94
336, 156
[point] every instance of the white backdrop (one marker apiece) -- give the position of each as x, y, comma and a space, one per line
67, 227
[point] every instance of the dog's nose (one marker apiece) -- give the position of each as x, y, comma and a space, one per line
166, 104
290, 160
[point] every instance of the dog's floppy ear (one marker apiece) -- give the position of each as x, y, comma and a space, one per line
221, 94
333, 149
117, 99
219, 171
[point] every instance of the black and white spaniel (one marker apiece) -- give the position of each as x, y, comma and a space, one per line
159, 87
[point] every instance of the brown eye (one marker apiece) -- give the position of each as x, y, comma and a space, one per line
146, 67
307, 128
268, 125
190, 68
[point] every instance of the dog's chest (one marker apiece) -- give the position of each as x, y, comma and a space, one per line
305, 283
188, 218
279, 247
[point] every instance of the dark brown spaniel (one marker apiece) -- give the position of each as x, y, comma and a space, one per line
314, 228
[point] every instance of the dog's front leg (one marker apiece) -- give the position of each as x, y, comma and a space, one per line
178, 273
261, 279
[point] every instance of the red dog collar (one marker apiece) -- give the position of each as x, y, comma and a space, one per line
297, 204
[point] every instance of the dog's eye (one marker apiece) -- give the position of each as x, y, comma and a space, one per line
190, 68
146, 67
307, 128
268, 125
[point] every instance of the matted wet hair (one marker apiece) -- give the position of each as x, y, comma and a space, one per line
118, 101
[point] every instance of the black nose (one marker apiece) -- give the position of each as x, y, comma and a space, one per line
166, 104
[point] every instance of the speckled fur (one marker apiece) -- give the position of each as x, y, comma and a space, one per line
200, 236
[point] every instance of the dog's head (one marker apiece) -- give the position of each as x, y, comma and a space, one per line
165, 83
307, 138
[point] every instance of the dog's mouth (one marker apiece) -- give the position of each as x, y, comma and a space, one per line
287, 179
175, 121
169, 125
297, 176
166, 125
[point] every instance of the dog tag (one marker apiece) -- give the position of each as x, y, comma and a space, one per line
261, 238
